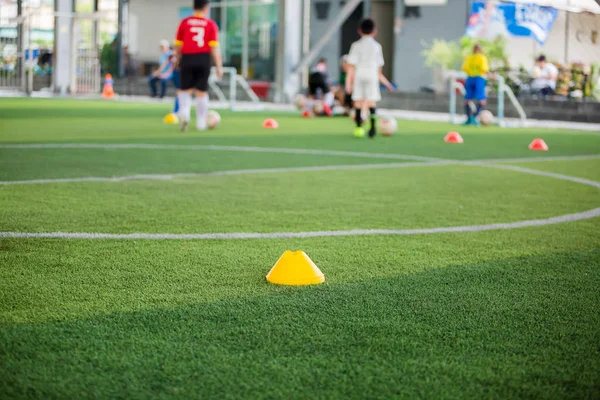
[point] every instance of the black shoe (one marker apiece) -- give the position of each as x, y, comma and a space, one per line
372, 132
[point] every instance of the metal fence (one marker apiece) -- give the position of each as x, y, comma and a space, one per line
28, 52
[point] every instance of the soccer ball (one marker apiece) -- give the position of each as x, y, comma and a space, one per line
387, 125
300, 101
486, 117
213, 119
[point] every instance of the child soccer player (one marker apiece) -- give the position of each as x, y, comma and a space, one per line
196, 43
318, 88
365, 74
476, 66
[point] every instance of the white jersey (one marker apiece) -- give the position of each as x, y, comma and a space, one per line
367, 57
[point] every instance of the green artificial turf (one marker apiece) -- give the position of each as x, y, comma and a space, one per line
495, 314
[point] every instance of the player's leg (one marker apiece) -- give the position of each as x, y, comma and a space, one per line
185, 95
374, 95
481, 97
203, 73
152, 83
163, 87
313, 88
328, 99
177, 83
470, 90
358, 97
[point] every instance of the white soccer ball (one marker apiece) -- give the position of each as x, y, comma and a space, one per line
486, 117
300, 101
213, 119
387, 125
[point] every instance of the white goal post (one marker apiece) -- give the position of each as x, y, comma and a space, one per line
503, 90
226, 89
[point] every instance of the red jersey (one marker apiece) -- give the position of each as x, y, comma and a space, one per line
197, 35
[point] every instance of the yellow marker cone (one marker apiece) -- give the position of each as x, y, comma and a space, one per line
295, 268
171, 119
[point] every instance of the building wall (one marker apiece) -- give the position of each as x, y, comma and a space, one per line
436, 22
332, 50
152, 21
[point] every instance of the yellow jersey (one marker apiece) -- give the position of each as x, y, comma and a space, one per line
476, 65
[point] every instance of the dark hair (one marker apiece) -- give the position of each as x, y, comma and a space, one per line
541, 58
477, 48
367, 26
322, 60
200, 4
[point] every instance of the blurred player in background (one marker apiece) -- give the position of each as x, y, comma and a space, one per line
476, 66
365, 74
197, 42
319, 89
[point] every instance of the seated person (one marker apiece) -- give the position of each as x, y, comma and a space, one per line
163, 73
319, 88
545, 75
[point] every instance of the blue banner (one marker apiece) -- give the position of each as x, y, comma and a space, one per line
489, 20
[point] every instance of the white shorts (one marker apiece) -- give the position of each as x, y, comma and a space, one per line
366, 90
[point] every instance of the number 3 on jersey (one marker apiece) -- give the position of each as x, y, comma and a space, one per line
199, 37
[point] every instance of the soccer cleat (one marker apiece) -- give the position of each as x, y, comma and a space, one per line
475, 122
372, 132
183, 125
469, 121
201, 125
359, 132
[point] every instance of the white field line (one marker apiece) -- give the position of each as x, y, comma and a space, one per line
303, 235
250, 149
541, 173
357, 232
166, 177
539, 159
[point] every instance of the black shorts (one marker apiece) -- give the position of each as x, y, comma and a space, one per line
317, 81
195, 70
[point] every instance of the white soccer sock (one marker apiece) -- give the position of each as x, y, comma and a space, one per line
185, 105
201, 111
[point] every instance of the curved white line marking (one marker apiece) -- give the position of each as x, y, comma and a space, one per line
359, 232
303, 235
166, 177
539, 173
248, 149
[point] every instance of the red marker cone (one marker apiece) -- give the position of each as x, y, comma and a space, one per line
270, 123
453, 137
306, 114
108, 91
538, 145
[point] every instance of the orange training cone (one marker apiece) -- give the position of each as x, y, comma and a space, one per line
539, 145
270, 123
295, 268
453, 137
108, 91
